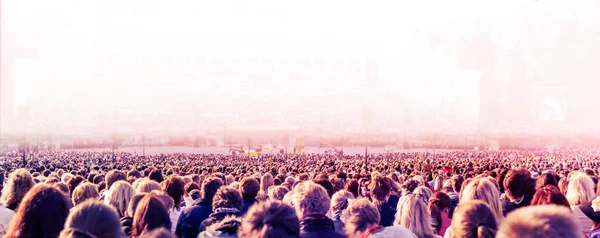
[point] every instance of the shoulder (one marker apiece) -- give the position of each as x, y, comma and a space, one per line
394, 231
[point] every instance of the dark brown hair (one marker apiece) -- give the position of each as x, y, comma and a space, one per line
249, 187
114, 176
437, 203
227, 197
174, 186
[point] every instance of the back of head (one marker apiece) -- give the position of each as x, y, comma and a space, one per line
227, 197
156, 175
518, 183
148, 186
158, 233
42, 213
119, 195
270, 219
278, 192
549, 194
548, 221
474, 219
412, 214
174, 186
249, 187
150, 214
380, 188
580, 189
83, 192
92, 219
114, 176
133, 203
340, 199
484, 190
311, 199
210, 186
437, 203
359, 216
18, 184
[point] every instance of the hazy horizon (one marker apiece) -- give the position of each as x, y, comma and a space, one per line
339, 66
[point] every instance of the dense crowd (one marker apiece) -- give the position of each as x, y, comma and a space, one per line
450, 194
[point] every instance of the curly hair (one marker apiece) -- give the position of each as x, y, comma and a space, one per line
18, 184
227, 197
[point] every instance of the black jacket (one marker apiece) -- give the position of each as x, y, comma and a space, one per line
219, 215
318, 226
387, 215
126, 225
246, 204
189, 221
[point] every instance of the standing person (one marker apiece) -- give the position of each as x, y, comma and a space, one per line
438, 206
270, 219
190, 219
312, 203
249, 189
174, 187
225, 219
519, 188
380, 188
580, 191
119, 195
339, 202
42, 213
548, 221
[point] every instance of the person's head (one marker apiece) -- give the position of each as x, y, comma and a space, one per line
380, 188
84, 191
18, 184
518, 183
483, 189
210, 186
156, 175
549, 194
327, 185
92, 218
158, 233
359, 216
438, 206
175, 187
457, 181
148, 186
545, 179
73, 182
423, 192
266, 181
278, 192
352, 186
340, 199
412, 214
133, 203
550, 221
42, 213
65, 177
227, 197
580, 189
149, 215
249, 187
310, 199
119, 195
474, 219
114, 176
270, 219
64, 188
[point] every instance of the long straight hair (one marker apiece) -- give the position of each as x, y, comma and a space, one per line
149, 215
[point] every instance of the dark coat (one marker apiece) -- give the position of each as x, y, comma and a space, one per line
246, 204
387, 215
189, 221
219, 215
126, 225
320, 226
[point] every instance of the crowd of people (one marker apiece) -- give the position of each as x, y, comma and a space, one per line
473, 194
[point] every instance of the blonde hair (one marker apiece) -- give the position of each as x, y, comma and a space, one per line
148, 186
424, 192
18, 184
412, 214
483, 189
359, 216
540, 221
580, 189
119, 195
229, 179
474, 219
65, 177
84, 191
265, 182
310, 199
278, 192
340, 199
